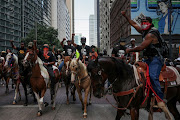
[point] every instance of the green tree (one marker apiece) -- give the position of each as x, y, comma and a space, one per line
45, 35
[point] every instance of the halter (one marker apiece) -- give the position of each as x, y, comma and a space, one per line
9, 62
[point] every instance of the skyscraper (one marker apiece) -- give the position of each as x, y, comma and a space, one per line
92, 31
17, 18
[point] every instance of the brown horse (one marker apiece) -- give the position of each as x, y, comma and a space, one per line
125, 89
12, 71
66, 76
40, 78
81, 79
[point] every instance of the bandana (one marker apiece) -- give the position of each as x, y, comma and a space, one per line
45, 53
145, 25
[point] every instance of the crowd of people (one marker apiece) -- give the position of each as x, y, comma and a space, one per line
128, 53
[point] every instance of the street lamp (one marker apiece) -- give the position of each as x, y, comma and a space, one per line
36, 26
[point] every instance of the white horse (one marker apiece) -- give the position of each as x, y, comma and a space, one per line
12, 69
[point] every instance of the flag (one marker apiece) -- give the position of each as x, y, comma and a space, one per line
77, 54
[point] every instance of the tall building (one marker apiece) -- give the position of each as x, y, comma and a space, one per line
105, 6
17, 18
70, 6
92, 31
96, 22
61, 18
77, 38
46, 4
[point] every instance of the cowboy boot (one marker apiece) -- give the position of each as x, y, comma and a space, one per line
52, 87
165, 110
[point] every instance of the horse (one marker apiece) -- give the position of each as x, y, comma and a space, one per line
66, 76
126, 92
2, 61
81, 79
40, 78
12, 71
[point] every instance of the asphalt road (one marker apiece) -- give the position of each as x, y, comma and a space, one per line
99, 110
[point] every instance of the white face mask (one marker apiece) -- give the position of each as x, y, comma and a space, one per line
121, 53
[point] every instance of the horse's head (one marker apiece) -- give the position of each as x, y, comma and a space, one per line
74, 67
11, 60
29, 58
98, 78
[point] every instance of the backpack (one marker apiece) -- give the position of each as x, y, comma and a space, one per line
164, 50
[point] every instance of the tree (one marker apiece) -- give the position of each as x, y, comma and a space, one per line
45, 35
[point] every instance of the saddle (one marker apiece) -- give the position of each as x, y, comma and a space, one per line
167, 75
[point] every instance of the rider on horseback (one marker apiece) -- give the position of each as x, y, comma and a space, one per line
83, 49
152, 55
119, 50
48, 58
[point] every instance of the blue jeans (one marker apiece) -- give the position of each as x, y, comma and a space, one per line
61, 65
155, 64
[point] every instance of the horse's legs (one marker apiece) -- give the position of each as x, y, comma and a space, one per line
85, 102
67, 94
172, 108
134, 113
16, 92
39, 103
80, 96
119, 114
54, 97
90, 95
25, 92
7, 82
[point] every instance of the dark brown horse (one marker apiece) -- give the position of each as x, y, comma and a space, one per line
122, 78
40, 78
66, 76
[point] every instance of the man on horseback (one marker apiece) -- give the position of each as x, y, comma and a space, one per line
119, 50
153, 58
83, 49
48, 58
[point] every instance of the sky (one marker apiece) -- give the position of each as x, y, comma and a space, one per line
83, 8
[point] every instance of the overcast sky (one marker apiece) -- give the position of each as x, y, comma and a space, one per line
83, 8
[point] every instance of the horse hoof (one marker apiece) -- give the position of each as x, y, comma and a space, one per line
39, 113
90, 103
14, 102
67, 102
53, 108
46, 104
84, 116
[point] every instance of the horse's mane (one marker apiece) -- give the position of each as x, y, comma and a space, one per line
14, 56
123, 69
74, 61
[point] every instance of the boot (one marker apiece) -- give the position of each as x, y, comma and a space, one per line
165, 110
52, 88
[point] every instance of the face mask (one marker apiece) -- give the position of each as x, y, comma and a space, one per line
45, 49
145, 25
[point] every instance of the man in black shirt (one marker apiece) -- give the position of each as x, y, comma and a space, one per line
21, 50
83, 49
119, 51
69, 50
21, 54
48, 58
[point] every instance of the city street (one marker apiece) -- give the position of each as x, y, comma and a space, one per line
99, 110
